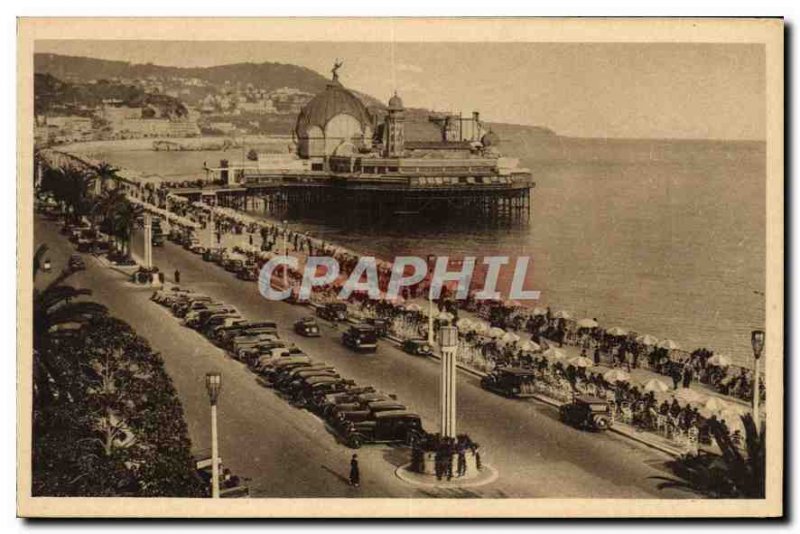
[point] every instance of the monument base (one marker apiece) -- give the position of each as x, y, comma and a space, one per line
422, 471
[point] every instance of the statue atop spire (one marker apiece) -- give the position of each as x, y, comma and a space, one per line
335, 70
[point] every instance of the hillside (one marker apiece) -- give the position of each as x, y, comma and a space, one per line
52, 95
269, 76
72, 82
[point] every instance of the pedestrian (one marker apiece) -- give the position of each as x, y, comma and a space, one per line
355, 474
597, 356
177, 276
676, 376
462, 462
251, 239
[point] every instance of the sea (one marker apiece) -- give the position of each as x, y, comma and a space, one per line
664, 237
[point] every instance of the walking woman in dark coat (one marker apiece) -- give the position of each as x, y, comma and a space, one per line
355, 474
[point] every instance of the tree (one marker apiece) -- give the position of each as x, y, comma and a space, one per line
120, 431
729, 475
55, 316
122, 218
105, 173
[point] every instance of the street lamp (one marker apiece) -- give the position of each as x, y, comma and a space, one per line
213, 385
757, 339
448, 343
285, 253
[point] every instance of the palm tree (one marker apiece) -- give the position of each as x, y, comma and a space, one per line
53, 308
70, 185
105, 172
729, 475
123, 216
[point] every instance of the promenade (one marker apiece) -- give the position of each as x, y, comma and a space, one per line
535, 454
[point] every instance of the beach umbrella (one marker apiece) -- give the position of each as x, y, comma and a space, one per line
480, 327
647, 340
581, 361
587, 323
617, 332
530, 346
539, 311
554, 353
464, 324
616, 375
669, 345
656, 386
512, 304
496, 332
689, 396
413, 307
715, 404
510, 337
445, 316
719, 360
562, 314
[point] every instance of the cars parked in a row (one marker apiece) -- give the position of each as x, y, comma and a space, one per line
357, 414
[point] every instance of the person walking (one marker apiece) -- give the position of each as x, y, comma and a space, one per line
462, 462
177, 276
355, 473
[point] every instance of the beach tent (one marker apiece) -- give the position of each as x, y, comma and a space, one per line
587, 323
554, 353
656, 386
719, 360
581, 361
669, 345
616, 375
647, 340
530, 346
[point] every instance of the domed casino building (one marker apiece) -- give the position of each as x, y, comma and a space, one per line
334, 119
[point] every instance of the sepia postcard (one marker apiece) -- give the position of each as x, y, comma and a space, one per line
400, 268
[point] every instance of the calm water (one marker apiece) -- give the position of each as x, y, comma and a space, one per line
662, 237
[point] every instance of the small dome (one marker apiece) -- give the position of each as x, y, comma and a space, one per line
334, 101
395, 103
490, 139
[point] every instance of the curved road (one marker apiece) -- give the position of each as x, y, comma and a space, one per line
286, 452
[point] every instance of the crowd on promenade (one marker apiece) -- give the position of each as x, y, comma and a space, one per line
492, 337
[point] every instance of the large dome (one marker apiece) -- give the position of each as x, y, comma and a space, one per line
334, 101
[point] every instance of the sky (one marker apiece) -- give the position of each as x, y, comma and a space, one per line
614, 90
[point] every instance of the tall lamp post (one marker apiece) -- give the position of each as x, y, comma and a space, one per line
757, 339
431, 338
213, 385
448, 342
285, 253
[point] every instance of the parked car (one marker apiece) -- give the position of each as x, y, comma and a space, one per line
395, 426
510, 382
76, 263
360, 338
381, 326
248, 273
417, 347
333, 311
307, 326
587, 412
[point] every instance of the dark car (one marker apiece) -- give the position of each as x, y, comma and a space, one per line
395, 426
333, 311
586, 412
76, 262
510, 382
417, 347
248, 273
158, 238
381, 326
307, 326
361, 338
